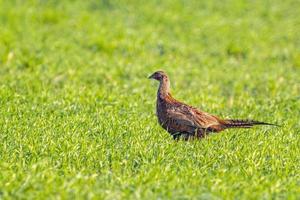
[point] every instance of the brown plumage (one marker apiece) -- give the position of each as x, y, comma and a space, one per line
184, 121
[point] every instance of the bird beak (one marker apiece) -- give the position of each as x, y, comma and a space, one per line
150, 77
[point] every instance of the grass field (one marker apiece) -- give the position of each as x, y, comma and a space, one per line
77, 112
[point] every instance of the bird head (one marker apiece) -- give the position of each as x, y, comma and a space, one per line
159, 75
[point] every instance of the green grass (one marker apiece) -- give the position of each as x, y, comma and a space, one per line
77, 113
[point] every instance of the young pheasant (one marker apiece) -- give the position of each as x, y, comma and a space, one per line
187, 122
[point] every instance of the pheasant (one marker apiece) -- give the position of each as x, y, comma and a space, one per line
186, 122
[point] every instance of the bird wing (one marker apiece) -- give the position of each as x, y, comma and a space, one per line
180, 118
195, 118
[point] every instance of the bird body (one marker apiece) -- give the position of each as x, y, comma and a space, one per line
184, 121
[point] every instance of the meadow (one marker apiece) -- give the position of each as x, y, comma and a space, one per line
77, 112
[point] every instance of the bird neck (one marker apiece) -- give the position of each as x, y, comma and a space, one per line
164, 88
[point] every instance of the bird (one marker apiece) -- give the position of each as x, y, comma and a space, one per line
186, 122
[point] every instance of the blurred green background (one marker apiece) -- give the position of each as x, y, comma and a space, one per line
77, 112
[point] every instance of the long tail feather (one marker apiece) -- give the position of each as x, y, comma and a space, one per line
237, 123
